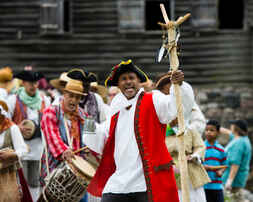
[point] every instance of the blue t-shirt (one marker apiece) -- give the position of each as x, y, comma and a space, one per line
238, 153
215, 156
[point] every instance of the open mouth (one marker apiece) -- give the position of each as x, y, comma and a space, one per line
129, 90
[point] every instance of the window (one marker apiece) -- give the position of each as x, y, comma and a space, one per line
131, 15
141, 15
204, 14
55, 17
231, 14
213, 14
153, 14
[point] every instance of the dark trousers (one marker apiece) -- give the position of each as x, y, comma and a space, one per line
131, 197
214, 195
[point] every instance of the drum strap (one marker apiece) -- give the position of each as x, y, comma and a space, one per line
70, 140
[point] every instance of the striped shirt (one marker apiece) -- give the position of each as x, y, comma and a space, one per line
215, 156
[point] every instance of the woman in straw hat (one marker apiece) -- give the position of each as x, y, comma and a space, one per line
12, 148
194, 145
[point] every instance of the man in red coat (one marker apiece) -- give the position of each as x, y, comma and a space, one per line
135, 164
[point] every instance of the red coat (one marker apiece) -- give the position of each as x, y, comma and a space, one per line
156, 160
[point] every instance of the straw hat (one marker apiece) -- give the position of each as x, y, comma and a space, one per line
101, 90
60, 82
162, 80
75, 86
6, 74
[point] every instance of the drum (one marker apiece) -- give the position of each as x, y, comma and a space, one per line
68, 182
35, 129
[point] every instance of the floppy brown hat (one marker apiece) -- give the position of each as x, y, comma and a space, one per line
75, 86
101, 90
60, 82
5, 74
6, 78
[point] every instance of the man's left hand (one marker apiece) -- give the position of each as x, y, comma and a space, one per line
177, 77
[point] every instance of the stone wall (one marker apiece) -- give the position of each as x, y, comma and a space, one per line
225, 103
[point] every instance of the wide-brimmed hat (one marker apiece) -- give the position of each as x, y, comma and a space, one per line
31, 76
162, 80
6, 78
101, 90
82, 75
123, 67
60, 82
74, 86
6, 74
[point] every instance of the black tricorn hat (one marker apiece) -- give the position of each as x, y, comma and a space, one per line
124, 66
27, 75
81, 75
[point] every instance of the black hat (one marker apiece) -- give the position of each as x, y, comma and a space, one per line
242, 124
123, 67
31, 76
81, 75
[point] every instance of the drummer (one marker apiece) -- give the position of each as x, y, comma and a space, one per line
28, 104
62, 126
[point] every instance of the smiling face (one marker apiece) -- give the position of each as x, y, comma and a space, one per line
129, 84
71, 101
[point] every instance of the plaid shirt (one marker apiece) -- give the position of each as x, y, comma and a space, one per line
51, 131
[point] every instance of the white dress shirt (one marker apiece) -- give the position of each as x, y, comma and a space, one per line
17, 140
129, 176
35, 144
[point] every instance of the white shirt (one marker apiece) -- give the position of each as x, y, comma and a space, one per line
35, 145
197, 120
129, 176
17, 140
101, 108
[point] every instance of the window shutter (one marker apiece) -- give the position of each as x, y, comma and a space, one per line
204, 15
131, 16
52, 17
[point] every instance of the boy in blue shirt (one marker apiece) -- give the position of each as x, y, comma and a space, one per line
215, 163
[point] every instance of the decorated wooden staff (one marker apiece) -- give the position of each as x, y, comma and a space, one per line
170, 46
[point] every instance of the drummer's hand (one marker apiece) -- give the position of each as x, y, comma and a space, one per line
68, 155
8, 157
177, 77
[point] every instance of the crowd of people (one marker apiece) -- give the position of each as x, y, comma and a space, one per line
126, 130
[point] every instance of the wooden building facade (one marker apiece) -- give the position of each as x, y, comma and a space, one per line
56, 35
